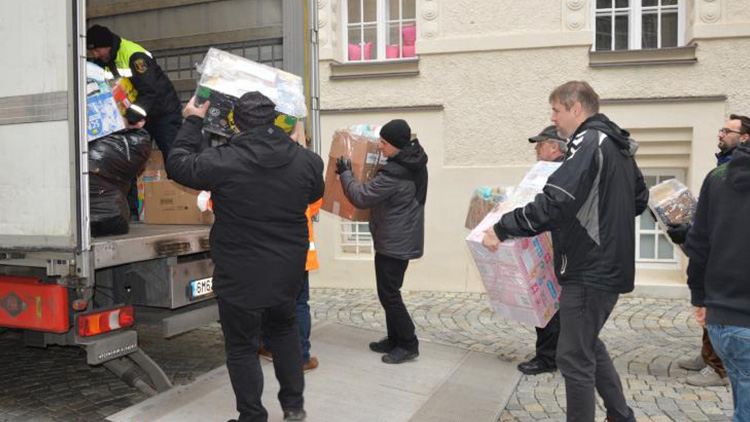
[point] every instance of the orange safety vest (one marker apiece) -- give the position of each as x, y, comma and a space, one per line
312, 254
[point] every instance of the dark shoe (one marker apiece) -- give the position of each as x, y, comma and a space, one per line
385, 345
310, 365
232, 420
535, 367
399, 355
295, 415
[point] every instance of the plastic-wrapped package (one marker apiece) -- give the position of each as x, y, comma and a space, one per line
360, 145
102, 114
225, 77
114, 161
672, 202
483, 200
520, 277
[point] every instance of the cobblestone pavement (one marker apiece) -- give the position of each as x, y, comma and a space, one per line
644, 336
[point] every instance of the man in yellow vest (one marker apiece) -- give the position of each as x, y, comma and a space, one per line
157, 101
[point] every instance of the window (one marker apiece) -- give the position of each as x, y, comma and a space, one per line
379, 29
638, 24
180, 64
652, 245
356, 238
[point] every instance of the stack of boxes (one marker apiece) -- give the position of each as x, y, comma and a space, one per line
520, 277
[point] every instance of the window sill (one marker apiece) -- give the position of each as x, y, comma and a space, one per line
650, 57
375, 69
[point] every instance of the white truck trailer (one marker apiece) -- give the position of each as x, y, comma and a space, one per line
58, 283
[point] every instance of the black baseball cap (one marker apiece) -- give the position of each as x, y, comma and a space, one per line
548, 134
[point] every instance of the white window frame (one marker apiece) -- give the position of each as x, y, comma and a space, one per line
677, 254
635, 22
382, 22
356, 238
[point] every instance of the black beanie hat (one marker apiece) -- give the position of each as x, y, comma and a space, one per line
99, 36
253, 109
397, 132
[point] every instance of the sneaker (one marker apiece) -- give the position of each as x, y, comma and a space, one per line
399, 355
265, 354
535, 366
310, 365
385, 345
696, 363
707, 378
295, 415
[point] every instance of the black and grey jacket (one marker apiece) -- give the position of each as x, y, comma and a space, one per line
589, 204
396, 198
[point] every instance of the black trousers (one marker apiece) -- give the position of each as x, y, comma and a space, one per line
390, 277
583, 359
163, 129
546, 340
242, 329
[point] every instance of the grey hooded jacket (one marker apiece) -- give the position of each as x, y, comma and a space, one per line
396, 198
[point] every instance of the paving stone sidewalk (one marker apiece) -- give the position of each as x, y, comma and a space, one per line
644, 336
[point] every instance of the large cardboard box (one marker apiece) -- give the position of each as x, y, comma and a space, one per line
520, 277
163, 201
361, 146
166, 202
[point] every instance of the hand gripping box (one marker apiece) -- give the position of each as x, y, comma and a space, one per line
520, 277
359, 144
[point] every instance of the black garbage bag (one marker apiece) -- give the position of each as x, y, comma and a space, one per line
114, 161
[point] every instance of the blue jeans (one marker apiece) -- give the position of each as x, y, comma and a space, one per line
304, 322
303, 318
733, 346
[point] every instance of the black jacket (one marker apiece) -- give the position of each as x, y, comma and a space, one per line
156, 94
718, 241
589, 204
261, 183
396, 197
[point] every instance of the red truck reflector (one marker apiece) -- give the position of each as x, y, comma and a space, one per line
28, 303
105, 321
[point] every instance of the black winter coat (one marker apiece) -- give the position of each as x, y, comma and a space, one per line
261, 183
396, 198
589, 204
718, 241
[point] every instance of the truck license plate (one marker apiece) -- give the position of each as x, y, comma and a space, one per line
201, 288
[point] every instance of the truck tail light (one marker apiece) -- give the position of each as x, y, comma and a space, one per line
105, 321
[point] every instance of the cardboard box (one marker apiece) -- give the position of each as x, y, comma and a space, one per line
362, 148
520, 277
483, 200
166, 202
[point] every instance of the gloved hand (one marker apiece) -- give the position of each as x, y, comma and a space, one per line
678, 232
343, 164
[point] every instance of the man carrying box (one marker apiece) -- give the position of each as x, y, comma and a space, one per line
396, 197
589, 204
261, 183
549, 146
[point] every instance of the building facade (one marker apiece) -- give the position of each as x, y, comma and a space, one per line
472, 78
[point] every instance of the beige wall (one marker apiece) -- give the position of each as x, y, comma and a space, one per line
492, 80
